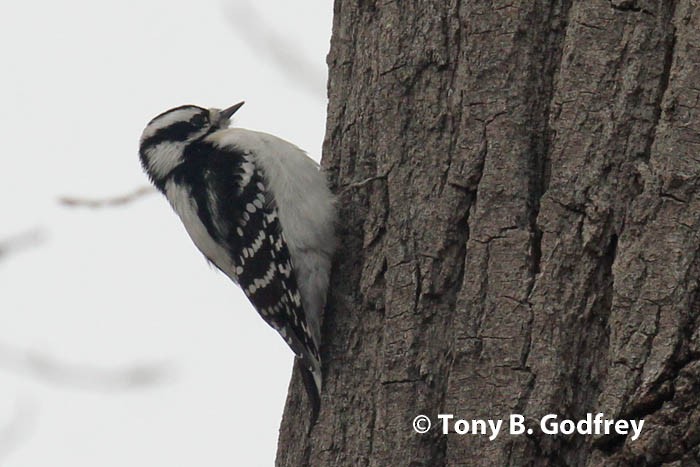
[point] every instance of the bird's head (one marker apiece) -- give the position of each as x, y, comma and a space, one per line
165, 137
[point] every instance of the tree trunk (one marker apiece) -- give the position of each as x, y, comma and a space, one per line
525, 239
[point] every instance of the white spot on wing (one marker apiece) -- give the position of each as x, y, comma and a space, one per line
257, 243
248, 169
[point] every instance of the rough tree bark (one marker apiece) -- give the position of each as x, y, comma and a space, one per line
530, 243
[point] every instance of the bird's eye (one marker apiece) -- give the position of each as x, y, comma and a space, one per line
198, 120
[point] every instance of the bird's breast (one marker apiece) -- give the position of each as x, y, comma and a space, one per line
185, 205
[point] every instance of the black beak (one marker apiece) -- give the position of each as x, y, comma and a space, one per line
227, 113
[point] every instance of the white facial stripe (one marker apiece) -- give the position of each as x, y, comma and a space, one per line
164, 157
164, 121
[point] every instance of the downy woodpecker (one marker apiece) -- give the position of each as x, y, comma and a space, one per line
259, 209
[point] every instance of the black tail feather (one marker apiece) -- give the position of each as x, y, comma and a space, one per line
311, 391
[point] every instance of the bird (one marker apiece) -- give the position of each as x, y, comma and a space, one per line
260, 210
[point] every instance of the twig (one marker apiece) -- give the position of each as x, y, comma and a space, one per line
113, 201
22, 241
18, 427
361, 183
253, 29
49, 369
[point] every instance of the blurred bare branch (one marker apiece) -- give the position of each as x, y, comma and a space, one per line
21, 241
252, 28
49, 369
113, 201
17, 427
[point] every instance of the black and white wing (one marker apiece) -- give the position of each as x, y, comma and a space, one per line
229, 193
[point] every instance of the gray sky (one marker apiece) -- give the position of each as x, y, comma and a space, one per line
116, 288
